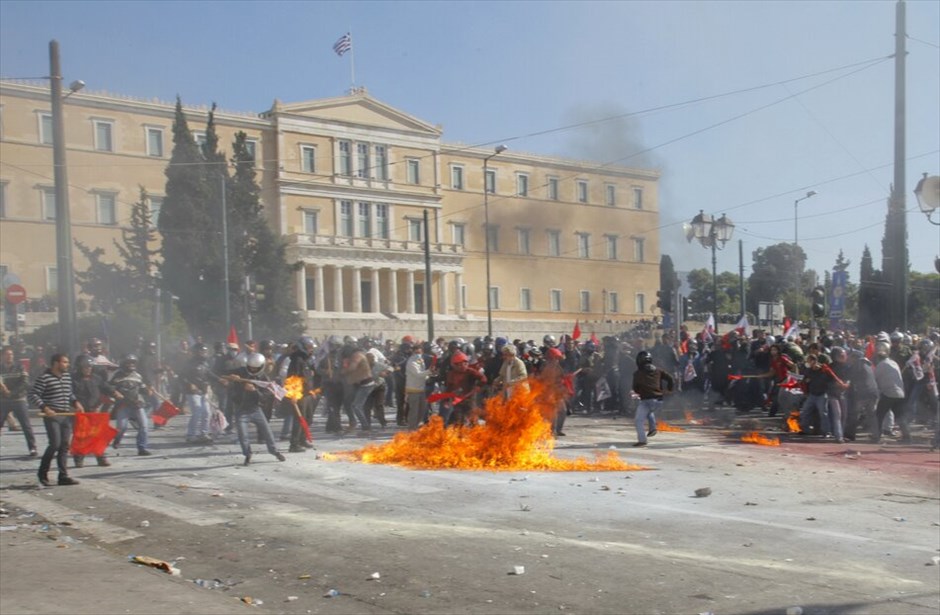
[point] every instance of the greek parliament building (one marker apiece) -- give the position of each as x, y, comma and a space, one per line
347, 182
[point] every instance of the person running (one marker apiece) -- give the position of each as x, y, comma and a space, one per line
52, 393
648, 381
247, 396
130, 406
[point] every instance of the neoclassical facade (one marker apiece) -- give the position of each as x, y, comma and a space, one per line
349, 183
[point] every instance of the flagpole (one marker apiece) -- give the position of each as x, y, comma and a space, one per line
352, 64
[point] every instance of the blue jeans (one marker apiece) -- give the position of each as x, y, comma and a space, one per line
646, 411
125, 413
360, 395
20, 410
838, 413
819, 403
257, 417
198, 406
59, 431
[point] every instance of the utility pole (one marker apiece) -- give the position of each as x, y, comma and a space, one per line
897, 216
427, 276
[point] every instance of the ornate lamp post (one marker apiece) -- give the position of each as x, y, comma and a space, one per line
712, 234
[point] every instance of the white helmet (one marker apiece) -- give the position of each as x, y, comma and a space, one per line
255, 362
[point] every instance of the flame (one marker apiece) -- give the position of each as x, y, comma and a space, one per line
516, 435
294, 387
691, 420
793, 421
663, 426
756, 438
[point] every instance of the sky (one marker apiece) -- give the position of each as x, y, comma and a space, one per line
743, 107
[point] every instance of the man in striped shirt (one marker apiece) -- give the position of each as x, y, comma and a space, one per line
52, 393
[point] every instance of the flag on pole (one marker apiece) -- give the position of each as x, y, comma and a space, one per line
93, 433
708, 333
232, 336
792, 331
164, 413
743, 327
577, 330
594, 339
343, 44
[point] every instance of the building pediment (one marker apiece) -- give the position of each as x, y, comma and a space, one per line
359, 110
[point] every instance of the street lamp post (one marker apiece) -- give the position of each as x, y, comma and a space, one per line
65, 287
486, 232
796, 243
713, 234
927, 192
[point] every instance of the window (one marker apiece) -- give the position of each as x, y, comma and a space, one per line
640, 303
611, 191
311, 223
639, 249
638, 198
414, 168
345, 219
490, 181
456, 177
362, 160
52, 279
48, 204
553, 188
585, 296
522, 184
381, 162
200, 139
611, 247
364, 219
459, 232
155, 142
381, 220
415, 229
584, 245
554, 243
106, 208
345, 158
613, 302
156, 206
493, 237
582, 191
251, 148
524, 235
554, 299
525, 299
45, 128
308, 159
103, 134
494, 297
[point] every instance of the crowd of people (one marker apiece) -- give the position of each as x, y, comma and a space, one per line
836, 386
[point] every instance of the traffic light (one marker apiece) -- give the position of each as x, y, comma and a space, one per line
686, 308
665, 300
818, 302
259, 292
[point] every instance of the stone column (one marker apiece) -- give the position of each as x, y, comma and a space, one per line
357, 289
319, 295
337, 288
442, 292
410, 296
376, 308
458, 282
393, 290
300, 281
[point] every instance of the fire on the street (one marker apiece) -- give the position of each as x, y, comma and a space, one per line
755, 438
793, 421
664, 426
516, 435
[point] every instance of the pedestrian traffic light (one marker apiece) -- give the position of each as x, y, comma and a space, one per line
259, 292
818, 302
686, 308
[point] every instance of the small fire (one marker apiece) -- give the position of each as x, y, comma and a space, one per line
663, 426
756, 438
516, 435
294, 387
793, 422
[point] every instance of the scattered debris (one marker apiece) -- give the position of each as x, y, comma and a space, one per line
375, 576
524, 507
144, 523
934, 561
810, 518
206, 584
703, 492
901, 519
304, 576
155, 563
750, 503
331, 594
517, 570
292, 599
852, 454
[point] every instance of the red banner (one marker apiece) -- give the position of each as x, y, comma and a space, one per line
164, 413
93, 433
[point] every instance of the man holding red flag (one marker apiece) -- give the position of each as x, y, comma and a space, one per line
91, 391
52, 393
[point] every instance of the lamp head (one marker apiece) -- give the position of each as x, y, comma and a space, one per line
500, 149
76, 85
810, 193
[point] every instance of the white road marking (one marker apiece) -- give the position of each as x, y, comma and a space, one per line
57, 513
155, 504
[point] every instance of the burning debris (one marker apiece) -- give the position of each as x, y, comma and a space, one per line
664, 426
755, 438
515, 434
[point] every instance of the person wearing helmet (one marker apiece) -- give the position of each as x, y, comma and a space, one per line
14, 383
863, 394
890, 393
249, 390
553, 375
91, 391
652, 385
548, 342
399, 361
130, 405
463, 382
588, 374
194, 381
299, 363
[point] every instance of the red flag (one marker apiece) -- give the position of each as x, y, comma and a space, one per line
870, 349
232, 336
306, 427
568, 381
164, 413
786, 323
93, 433
577, 330
594, 339
435, 397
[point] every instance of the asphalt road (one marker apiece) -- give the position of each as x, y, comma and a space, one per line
825, 527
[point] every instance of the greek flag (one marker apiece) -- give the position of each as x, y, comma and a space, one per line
343, 45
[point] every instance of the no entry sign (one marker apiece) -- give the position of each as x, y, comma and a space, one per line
16, 294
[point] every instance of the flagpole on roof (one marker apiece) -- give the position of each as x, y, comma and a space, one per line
352, 64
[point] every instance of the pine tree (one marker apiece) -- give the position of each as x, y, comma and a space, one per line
870, 296
190, 267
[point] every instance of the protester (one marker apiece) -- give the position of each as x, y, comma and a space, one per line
652, 385
14, 385
52, 393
